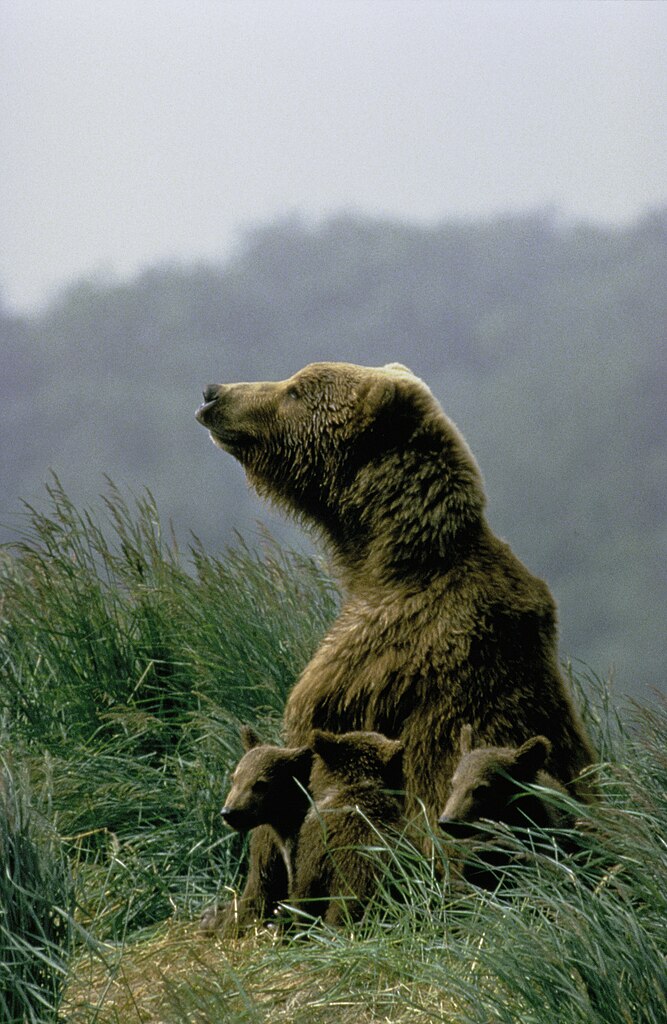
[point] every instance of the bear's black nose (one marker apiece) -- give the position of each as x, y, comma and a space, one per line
229, 816
236, 819
211, 392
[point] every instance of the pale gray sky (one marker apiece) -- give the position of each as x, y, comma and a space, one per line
134, 131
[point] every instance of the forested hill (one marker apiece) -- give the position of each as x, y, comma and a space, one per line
545, 343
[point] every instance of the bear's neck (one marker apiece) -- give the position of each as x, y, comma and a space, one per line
409, 516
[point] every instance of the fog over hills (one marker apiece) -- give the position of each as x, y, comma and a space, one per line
543, 340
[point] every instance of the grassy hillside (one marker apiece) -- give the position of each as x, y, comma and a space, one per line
127, 665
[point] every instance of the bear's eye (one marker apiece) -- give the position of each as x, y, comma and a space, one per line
261, 785
293, 393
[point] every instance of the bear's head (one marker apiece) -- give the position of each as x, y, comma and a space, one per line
355, 758
488, 781
294, 437
364, 453
269, 786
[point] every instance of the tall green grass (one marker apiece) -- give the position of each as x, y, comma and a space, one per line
36, 904
574, 935
126, 666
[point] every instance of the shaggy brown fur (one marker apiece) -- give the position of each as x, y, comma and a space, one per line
441, 623
353, 784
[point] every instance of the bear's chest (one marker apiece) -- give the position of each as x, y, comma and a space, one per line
375, 665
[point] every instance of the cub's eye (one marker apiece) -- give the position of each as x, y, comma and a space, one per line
261, 785
480, 791
293, 393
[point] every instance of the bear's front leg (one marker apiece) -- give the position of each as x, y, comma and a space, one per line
266, 886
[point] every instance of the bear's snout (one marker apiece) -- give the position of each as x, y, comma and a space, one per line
236, 819
211, 394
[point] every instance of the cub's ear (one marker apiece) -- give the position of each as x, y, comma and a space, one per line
394, 765
322, 736
249, 737
302, 761
325, 744
465, 739
391, 748
530, 757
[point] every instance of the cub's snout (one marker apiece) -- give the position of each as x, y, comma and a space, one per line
238, 818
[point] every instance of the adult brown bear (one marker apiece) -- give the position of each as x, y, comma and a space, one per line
441, 624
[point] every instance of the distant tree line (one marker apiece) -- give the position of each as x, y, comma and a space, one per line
544, 341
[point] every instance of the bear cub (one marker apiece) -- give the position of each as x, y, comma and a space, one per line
269, 787
356, 785
489, 783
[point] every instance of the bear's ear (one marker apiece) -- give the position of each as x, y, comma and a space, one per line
394, 765
249, 737
398, 368
301, 763
325, 744
530, 757
465, 739
389, 749
373, 397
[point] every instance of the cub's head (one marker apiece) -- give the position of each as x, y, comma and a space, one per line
351, 758
267, 787
487, 781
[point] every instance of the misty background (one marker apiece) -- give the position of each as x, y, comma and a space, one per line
202, 191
